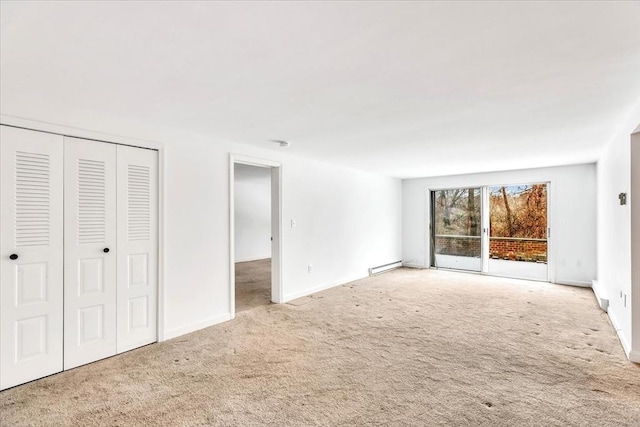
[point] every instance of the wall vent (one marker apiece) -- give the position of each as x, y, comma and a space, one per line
139, 203
91, 201
32, 199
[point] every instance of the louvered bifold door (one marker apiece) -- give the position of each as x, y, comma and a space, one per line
137, 246
31, 259
90, 251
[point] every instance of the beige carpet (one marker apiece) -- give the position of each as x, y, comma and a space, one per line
253, 284
405, 348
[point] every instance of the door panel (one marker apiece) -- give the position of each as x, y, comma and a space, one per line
137, 246
90, 272
31, 288
106, 301
518, 231
456, 228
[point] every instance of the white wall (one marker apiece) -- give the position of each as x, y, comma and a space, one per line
347, 220
614, 231
635, 246
572, 204
252, 194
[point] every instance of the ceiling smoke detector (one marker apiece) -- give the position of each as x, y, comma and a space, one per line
280, 142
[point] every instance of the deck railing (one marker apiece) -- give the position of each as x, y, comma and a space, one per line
507, 248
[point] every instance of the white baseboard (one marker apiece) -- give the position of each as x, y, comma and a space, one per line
578, 283
413, 265
320, 288
634, 356
253, 259
625, 345
196, 326
603, 301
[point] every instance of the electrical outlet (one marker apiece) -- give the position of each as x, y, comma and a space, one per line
310, 268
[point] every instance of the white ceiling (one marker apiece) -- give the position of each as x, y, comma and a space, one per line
406, 89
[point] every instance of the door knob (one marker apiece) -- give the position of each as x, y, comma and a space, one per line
13, 256
105, 250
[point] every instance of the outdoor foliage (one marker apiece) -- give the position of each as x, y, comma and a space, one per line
519, 211
515, 212
457, 212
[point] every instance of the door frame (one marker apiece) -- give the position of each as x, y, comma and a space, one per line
277, 292
486, 271
38, 126
432, 231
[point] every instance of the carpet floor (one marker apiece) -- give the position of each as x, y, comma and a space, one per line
405, 348
253, 284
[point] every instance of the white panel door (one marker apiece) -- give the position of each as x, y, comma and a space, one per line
31, 260
90, 251
137, 246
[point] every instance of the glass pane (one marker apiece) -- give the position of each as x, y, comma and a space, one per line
457, 222
518, 221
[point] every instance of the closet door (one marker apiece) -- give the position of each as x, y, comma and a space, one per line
90, 251
137, 246
31, 263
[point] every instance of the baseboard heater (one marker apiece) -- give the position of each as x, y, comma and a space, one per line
602, 302
384, 268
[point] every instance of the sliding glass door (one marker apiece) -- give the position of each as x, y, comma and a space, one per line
499, 230
456, 232
518, 226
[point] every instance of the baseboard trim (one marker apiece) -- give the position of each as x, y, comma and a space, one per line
603, 302
260, 258
634, 356
320, 288
412, 265
625, 345
578, 283
196, 326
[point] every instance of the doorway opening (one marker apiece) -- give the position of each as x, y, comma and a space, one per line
255, 233
252, 236
500, 230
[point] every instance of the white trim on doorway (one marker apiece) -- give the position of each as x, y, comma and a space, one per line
277, 292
